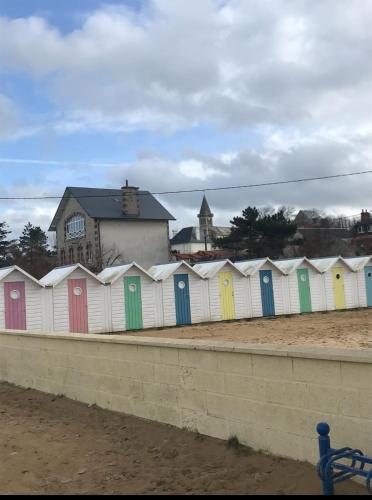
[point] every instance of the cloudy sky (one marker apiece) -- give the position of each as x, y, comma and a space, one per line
176, 94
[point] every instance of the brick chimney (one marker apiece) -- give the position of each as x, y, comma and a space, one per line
365, 216
130, 200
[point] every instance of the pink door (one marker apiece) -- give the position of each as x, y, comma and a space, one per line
78, 305
15, 305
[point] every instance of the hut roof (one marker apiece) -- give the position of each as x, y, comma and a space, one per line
358, 263
5, 271
112, 274
325, 264
57, 275
163, 271
288, 266
250, 267
210, 269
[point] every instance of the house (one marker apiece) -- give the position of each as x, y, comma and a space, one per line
362, 234
200, 238
102, 227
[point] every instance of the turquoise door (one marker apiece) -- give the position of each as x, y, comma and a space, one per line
267, 293
182, 299
368, 274
133, 303
304, 290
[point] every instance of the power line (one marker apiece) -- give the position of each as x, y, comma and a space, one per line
201, 190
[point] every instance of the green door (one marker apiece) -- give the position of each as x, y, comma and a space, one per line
133, 303
304, 290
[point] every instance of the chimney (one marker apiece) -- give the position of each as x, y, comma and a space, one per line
130, 200
365, 216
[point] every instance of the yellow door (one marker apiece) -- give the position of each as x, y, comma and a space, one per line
339, 287
227, 296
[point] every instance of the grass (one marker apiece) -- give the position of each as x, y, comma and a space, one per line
234, 444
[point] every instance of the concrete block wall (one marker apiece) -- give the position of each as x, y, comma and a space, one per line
271, 398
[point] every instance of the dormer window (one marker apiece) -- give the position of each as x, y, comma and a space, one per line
75, 227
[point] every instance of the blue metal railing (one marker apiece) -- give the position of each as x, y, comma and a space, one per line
330, 467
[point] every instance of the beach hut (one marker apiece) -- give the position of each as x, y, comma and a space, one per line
21, 306
227, 290
304, 285
77, 300
268, 292
339, 282
362, 266
133, 298
183, 294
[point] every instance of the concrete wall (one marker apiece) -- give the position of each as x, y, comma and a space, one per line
270, 398
145, 242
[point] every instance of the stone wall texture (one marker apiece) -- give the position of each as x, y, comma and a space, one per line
270, 397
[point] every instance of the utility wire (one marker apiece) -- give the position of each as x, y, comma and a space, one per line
203, 190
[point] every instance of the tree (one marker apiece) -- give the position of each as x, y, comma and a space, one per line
5, 245
261, 232
34, 254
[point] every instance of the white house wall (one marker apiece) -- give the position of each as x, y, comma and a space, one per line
34, 316
351, 289
362, 292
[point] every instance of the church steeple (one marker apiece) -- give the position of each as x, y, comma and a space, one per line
205, 220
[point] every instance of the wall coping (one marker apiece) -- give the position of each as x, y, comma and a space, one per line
279, 350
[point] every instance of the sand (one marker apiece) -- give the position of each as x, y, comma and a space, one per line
52, 445
349, 329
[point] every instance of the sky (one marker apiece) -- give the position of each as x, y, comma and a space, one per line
176, 95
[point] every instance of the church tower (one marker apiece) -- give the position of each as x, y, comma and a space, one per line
205, 221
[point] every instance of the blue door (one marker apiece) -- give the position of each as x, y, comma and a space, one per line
182, 297
368, 273
267, 293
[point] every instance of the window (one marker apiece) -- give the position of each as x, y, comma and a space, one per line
63, 257
80, 255
71, 255
75, 227
89, 253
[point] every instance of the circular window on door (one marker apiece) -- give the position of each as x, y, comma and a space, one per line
181, 285
15, 294
303, 277
266, 280
369, 275
226, 283
132, 287
338, 276
78, 291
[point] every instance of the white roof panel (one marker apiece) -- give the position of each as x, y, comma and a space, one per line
288, 266
210, 269
163, 271
327, 263
60, 273
5, 271
249, 267
111, 274
358, 263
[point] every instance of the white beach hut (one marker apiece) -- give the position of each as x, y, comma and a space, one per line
268, 291
183, 294
21, 303
133, 297
362, 266
77, 300
339, 282
228, 290
304, 285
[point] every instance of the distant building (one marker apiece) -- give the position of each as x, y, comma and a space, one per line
362, 234
101, 227
199, 238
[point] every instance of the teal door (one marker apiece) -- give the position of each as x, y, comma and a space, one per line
133, 303
368, 274
267, 293
182, 297
304, 290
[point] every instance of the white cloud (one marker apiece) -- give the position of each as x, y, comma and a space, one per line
9, 120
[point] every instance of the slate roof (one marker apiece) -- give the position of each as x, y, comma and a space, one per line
204, 209
107, 204
190, 235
